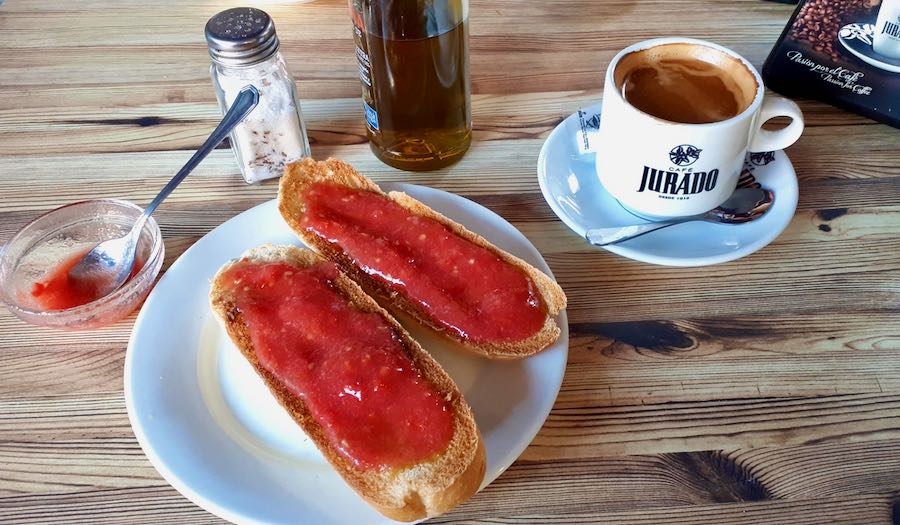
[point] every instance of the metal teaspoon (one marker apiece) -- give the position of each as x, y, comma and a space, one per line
107, 266
744, 205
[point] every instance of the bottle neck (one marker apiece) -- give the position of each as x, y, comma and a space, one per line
410, 20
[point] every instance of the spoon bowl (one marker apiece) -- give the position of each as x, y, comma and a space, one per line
744, 205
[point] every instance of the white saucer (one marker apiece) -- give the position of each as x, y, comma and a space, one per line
857, 39
209, 425
571, 187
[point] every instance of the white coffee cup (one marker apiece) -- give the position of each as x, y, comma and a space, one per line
887, 29
661, 168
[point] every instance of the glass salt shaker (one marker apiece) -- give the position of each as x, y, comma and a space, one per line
244, 50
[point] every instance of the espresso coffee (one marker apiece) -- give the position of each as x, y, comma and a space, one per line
686, 83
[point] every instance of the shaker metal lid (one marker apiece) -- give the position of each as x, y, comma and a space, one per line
241, 36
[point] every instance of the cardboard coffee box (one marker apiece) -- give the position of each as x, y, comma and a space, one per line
843, 52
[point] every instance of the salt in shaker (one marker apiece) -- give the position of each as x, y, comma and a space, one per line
244, 50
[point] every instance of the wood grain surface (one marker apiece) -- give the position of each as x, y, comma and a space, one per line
766, 390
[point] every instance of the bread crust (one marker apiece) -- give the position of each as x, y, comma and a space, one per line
300, 175
422, 490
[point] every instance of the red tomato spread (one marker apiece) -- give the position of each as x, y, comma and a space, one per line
459, 285
350, 367
58, 292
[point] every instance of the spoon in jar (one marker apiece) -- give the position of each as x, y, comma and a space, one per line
744, 205
107, 266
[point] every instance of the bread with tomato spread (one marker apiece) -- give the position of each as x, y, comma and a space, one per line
426, 488
515, 336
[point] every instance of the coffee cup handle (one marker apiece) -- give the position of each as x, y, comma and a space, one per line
765, 140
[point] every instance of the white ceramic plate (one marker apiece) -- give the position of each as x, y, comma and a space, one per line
570, 185
210, 427
857, 39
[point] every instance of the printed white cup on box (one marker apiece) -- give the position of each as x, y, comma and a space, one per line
660, 168
887, 29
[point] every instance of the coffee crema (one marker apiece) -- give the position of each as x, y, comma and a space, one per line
686, 83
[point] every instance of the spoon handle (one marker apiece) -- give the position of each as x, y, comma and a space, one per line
246, 100
607, 236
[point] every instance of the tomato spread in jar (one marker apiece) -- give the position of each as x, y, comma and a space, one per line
58, 292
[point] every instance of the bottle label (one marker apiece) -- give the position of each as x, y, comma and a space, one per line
363, 63
371, 116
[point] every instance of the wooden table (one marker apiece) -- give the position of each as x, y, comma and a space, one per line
766, 390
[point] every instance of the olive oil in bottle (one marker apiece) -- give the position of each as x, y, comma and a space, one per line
414, 69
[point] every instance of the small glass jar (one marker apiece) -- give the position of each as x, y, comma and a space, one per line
244, 50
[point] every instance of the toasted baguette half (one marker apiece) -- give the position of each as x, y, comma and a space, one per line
300, 175
415, 492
